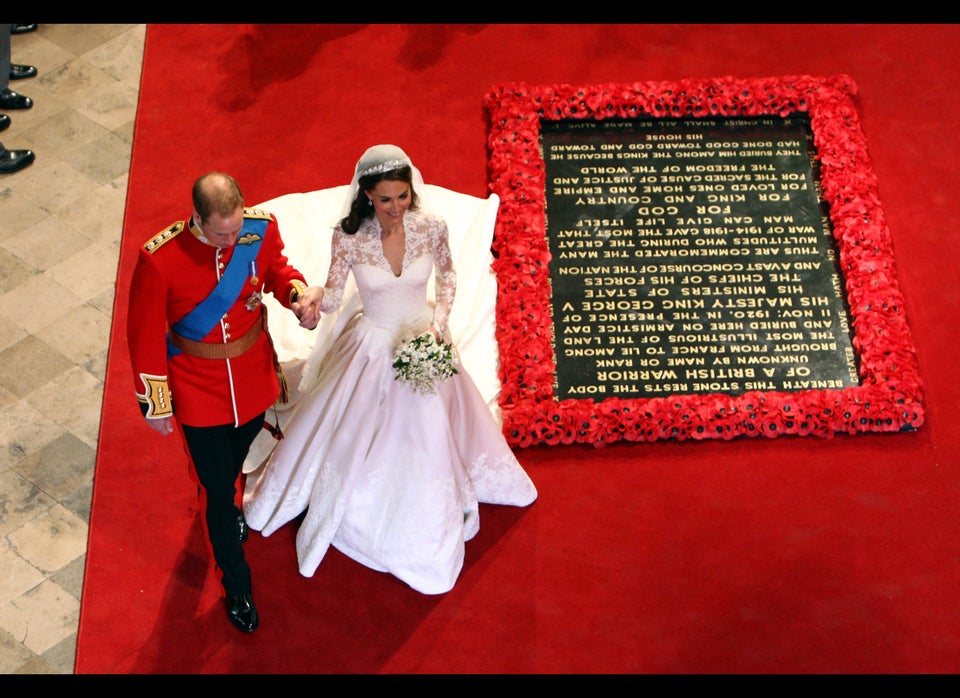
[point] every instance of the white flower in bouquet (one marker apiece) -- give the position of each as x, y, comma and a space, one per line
422, 362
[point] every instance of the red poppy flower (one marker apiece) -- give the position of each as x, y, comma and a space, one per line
890, 395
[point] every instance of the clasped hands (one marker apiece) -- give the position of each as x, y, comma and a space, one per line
307, 307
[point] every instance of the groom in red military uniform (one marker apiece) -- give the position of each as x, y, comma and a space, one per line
201, 353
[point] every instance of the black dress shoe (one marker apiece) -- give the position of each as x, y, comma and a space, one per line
242, 613
11, 100
4, 122
14, 160
22, 28
22, 72
243, 531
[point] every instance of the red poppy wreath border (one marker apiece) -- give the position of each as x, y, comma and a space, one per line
889, 398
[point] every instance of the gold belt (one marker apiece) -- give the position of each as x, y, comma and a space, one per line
227, 350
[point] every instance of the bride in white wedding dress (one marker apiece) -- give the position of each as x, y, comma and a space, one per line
389, 476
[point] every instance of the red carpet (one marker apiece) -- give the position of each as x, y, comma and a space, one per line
789, 555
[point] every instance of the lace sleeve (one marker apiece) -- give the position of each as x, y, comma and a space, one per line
337, 274
445, 279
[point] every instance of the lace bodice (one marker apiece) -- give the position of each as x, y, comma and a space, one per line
390, 300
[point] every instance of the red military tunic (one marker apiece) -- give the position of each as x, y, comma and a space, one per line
175, 271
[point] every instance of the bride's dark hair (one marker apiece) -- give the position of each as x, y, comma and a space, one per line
362, 208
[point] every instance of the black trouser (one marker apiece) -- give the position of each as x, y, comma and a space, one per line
218, 454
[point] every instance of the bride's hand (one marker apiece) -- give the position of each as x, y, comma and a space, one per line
307, 307
436, 332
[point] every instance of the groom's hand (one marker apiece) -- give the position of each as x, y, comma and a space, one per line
307, 307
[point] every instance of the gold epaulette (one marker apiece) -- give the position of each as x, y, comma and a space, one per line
257, 213
163, 237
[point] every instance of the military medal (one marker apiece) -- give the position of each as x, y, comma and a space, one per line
254, 279
254, 300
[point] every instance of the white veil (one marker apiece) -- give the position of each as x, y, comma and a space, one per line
376, 160
308, 219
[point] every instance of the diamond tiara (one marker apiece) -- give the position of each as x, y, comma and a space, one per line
382, 167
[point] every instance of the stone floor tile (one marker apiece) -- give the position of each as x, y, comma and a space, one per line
42, 617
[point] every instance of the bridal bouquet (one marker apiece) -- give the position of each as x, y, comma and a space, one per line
422, 362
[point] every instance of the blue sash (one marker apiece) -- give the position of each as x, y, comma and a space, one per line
198, 322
